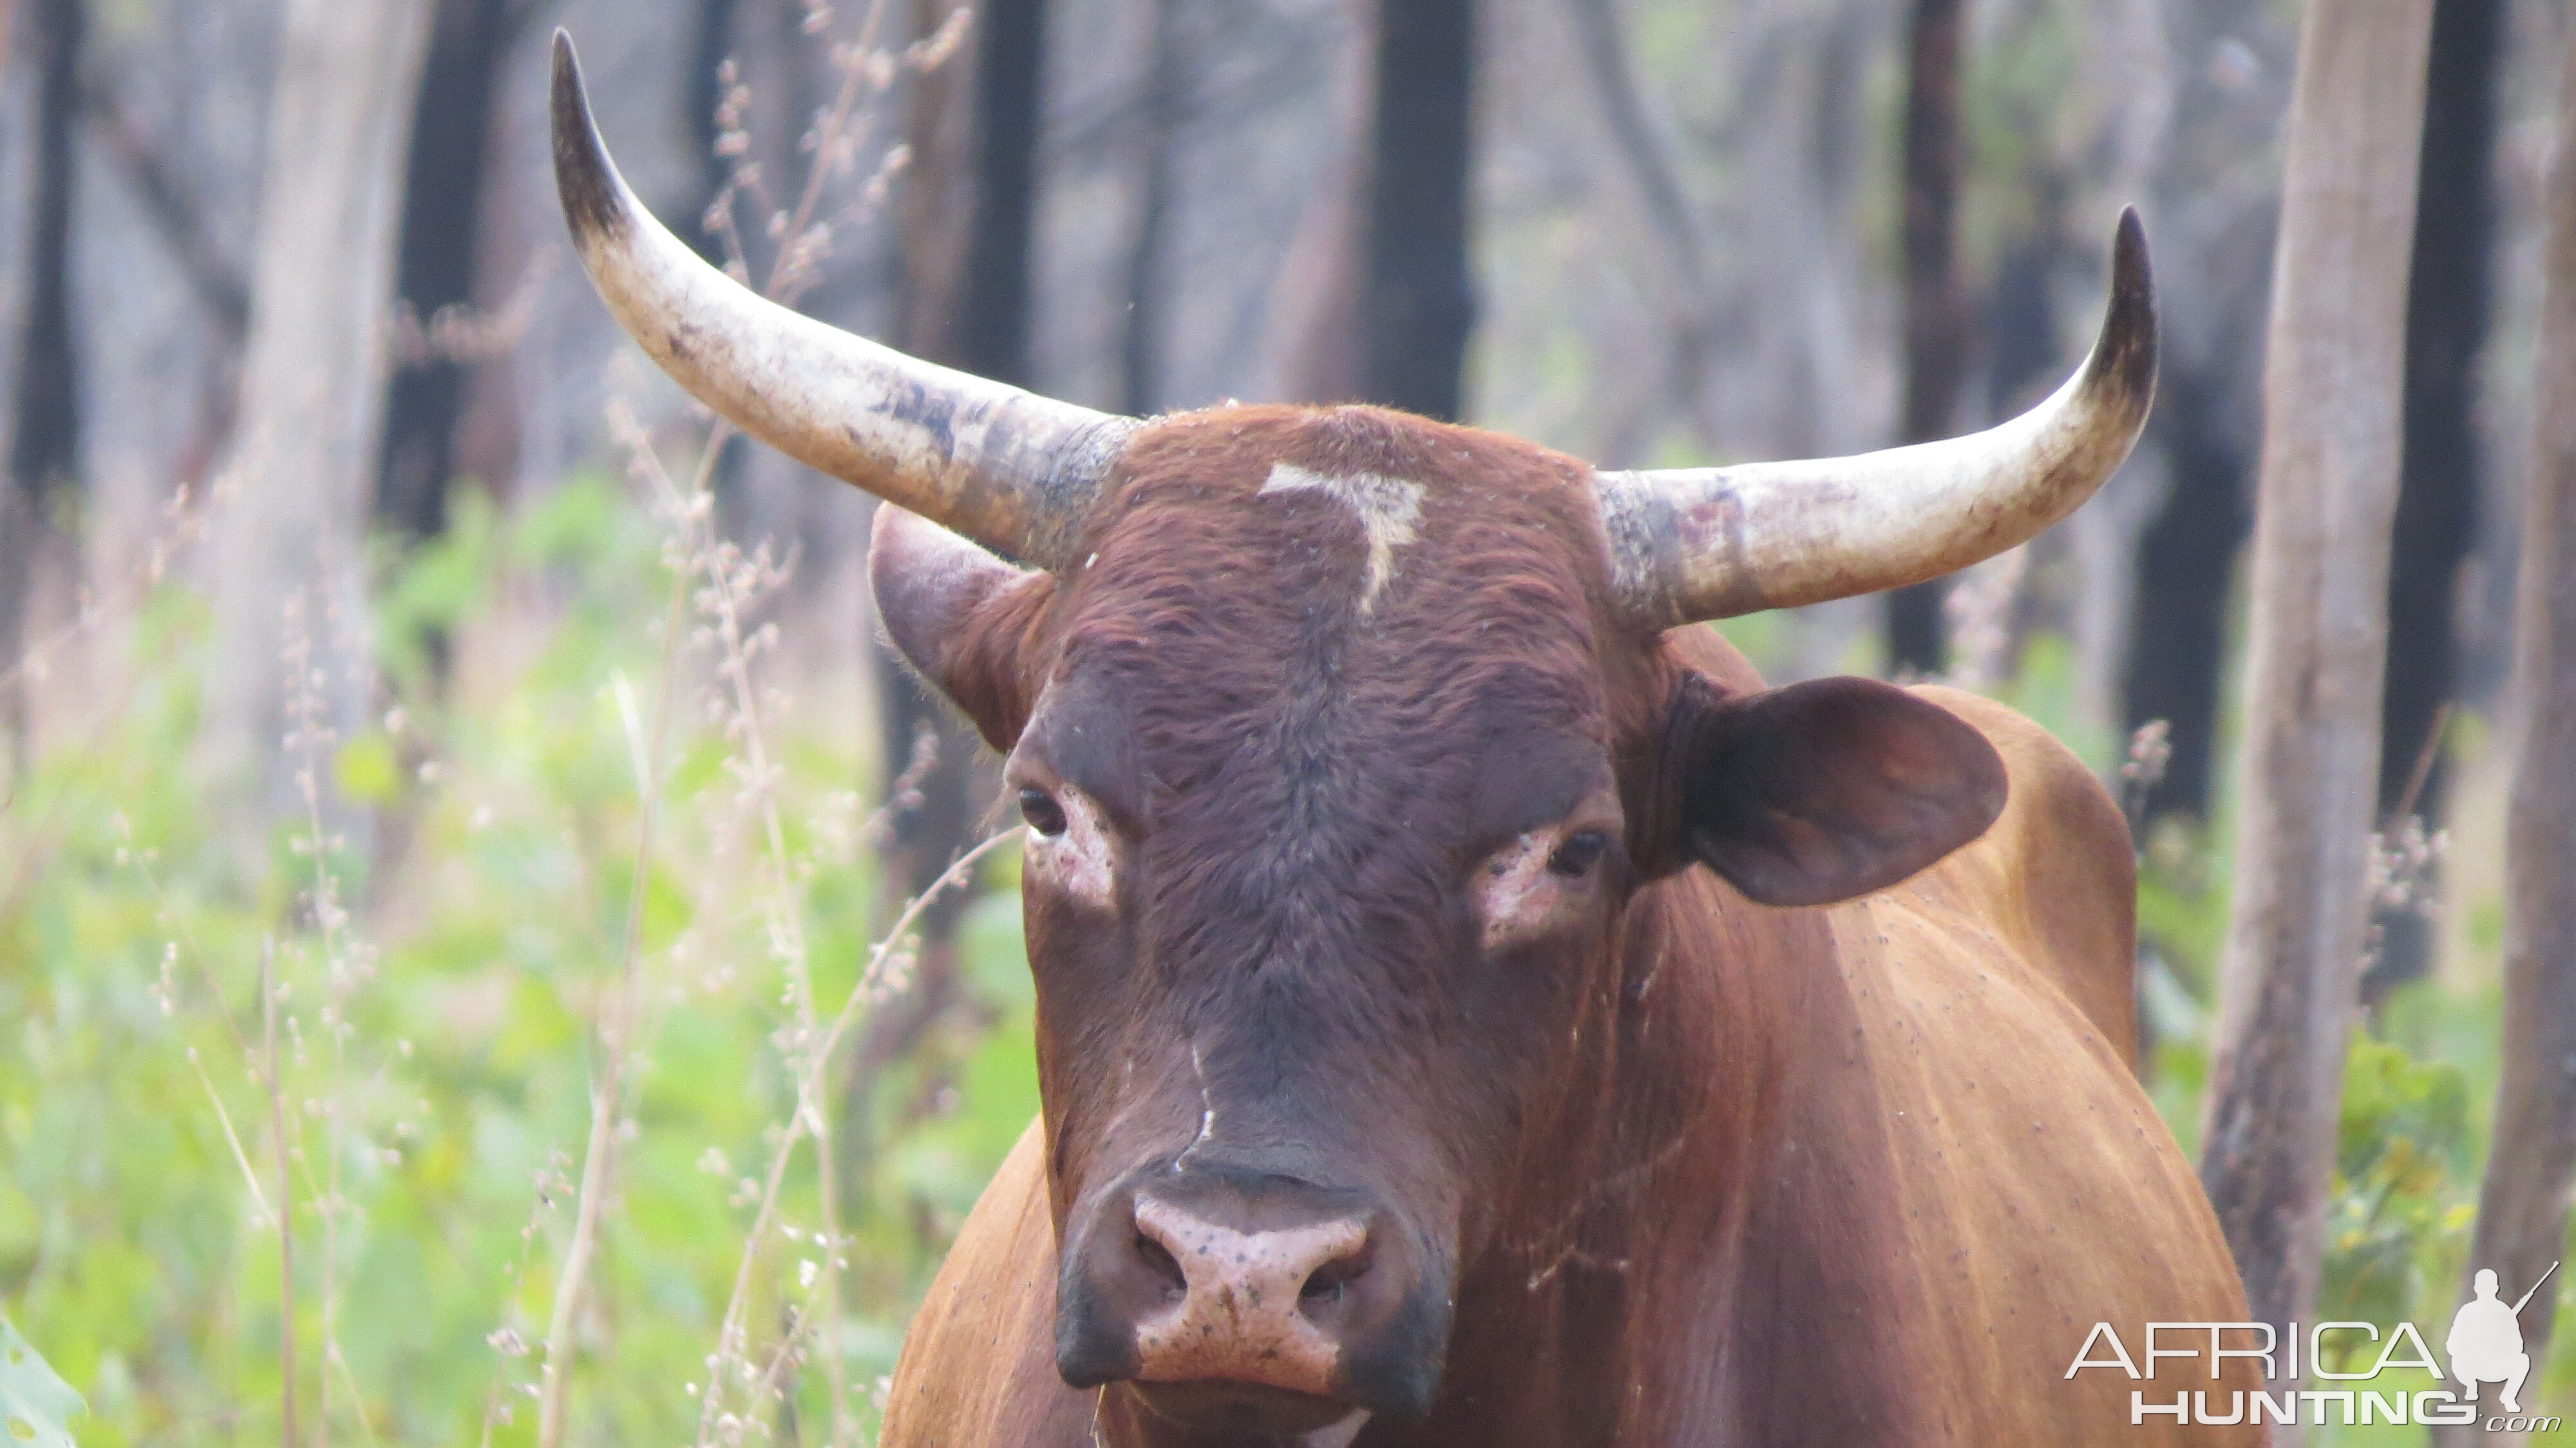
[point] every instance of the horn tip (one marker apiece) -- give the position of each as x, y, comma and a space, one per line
2130, 268
2125, 357
585, 179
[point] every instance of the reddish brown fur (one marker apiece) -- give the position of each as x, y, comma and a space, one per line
1705, 1170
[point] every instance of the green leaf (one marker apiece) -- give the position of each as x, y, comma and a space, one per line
34, 1402
367, 770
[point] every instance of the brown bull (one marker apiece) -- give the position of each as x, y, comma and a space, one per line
1472, 1010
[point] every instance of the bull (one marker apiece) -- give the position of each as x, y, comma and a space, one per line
1472, 1007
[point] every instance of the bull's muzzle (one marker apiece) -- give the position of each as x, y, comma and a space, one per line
1235, 1299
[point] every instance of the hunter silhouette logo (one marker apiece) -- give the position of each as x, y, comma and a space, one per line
2486, 1340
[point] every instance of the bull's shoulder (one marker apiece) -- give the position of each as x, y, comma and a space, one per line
978, 1364
2056, 873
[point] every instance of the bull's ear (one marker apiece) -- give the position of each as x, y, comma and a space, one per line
957, 614
1826, 790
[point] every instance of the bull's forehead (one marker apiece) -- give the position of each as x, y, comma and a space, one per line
1330, 612
1374, 545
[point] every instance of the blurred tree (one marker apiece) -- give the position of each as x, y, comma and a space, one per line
313, 379
2333, 378
1314, 304
441, 254
2437, 494
44, 423
2523, 1204
2216, 199
177, 206
2186, 559
1685, 251
966, 226
1163, 89
1936, 309
1418, 301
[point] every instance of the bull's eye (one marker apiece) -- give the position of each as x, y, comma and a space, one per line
1579, 852
1042, 812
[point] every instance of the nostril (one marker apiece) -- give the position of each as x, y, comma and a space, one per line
1158, 1259
1331, 1282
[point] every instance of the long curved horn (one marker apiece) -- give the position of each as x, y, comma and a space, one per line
1013, 471
1702, 543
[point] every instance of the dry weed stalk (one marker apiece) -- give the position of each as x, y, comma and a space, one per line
2402, 876
727, 583
184, 520
1979, 612
347, 964
887, 962
285, 1192
2150, 754
618, 1047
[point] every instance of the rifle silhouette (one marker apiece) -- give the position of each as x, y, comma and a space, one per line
2535, 1287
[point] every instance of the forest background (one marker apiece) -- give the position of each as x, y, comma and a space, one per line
465, 966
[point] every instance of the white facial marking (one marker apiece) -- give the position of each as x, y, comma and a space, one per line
1083, 861
1516, 893
1387, 509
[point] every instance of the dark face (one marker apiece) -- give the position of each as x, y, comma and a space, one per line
1337, 784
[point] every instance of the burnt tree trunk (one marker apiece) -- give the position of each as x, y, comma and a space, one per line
2212, 175
2437, 493
1158, 117
439, 257
1936, 313
44, 432
967, 224
1418, 297
2186, 566
2522, 1205
992, 308
2333, 381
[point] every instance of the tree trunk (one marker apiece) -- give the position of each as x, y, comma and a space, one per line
2186, 571
44, 436
1936, 313
2333, 380
2522, 1206
1158, 116
441, 253
313, 379
992, 308
1315, 332
1419, 298
1685, 250
2214, 204
2437, 493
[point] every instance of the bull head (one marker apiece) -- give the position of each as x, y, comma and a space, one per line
1351, 745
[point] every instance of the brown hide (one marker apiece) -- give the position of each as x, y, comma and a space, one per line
1885, 1166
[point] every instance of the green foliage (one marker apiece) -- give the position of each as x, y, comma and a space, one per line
438, 1047
35, 1403
2401, 1197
